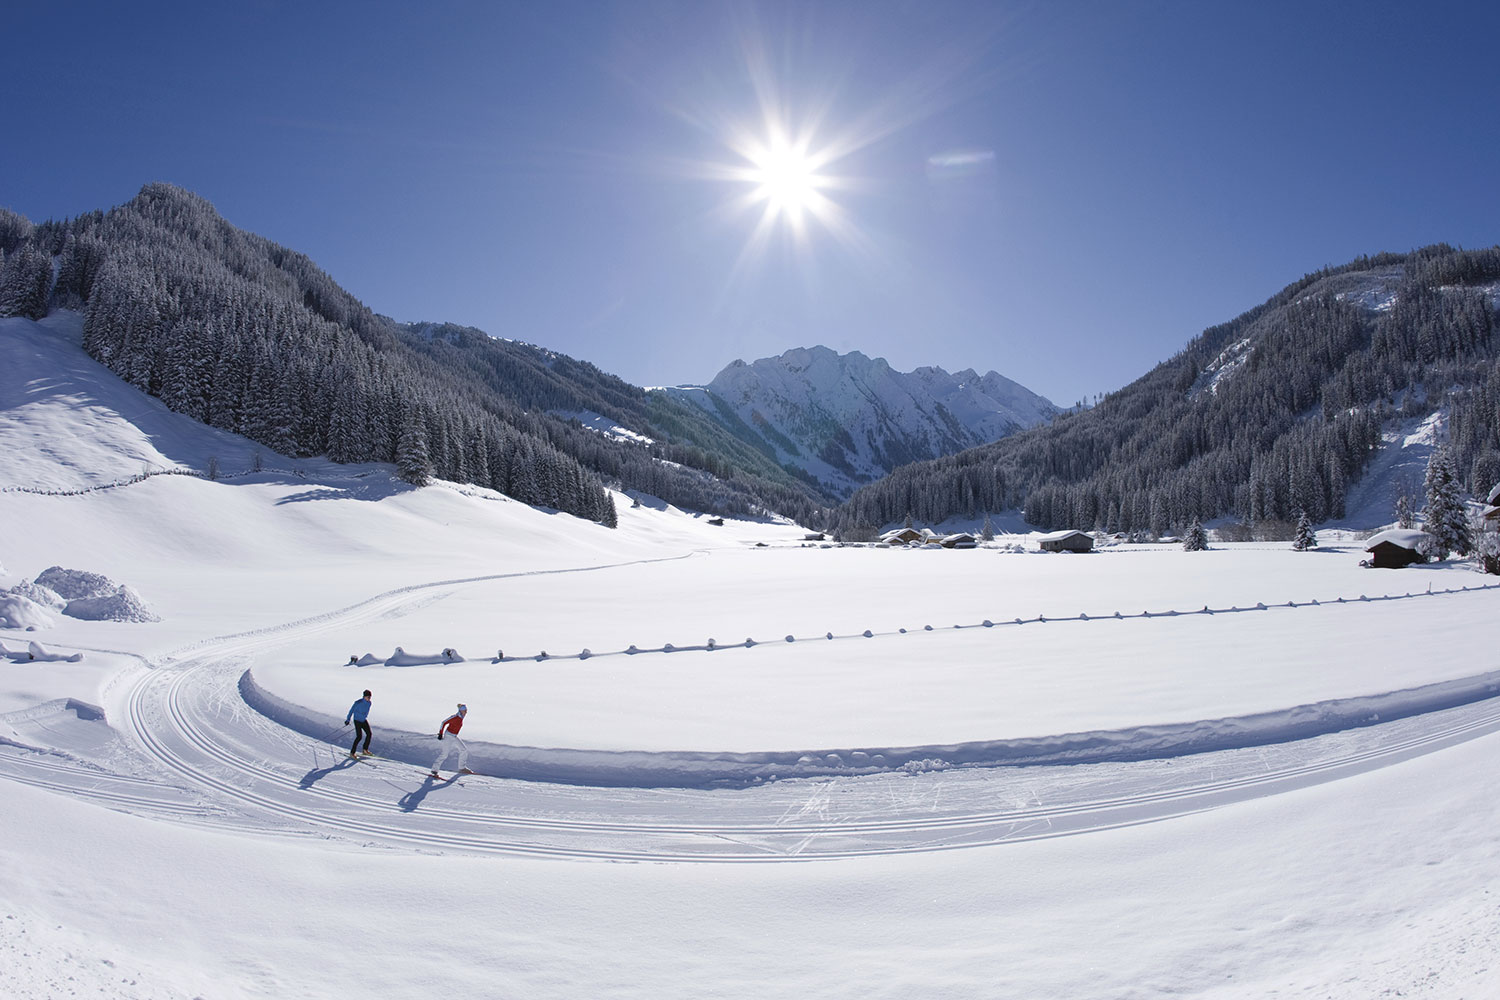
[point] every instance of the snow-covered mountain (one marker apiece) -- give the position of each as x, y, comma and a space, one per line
848, 419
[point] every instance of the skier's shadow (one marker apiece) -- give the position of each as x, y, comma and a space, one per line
411, 800
319, 773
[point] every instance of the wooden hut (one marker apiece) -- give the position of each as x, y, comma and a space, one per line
960, 540
1067, 541
1396, 548
901, 536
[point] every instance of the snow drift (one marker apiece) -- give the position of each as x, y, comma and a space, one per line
20, 612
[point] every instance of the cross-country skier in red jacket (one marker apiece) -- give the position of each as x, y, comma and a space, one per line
451, 725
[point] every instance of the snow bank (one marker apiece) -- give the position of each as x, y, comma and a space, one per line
45, 596
77, 594
73, 584
124, 605
658, 769
83, 595
19, 612
401, 658
36, 652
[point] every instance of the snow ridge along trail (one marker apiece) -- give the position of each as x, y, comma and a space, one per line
194, 751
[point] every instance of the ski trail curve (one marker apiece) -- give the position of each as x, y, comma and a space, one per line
190, 750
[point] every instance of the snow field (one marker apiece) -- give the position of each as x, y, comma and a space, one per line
894, 690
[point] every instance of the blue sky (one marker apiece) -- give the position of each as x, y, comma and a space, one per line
1062, 192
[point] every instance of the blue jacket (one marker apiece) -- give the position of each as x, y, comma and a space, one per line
359, 711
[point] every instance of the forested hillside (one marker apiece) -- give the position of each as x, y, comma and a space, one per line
240, 333
1270, 414
730, 474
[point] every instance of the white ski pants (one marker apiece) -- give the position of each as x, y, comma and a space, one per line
450, 743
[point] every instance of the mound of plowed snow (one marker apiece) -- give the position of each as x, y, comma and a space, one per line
35, 592
124, 605
72, 584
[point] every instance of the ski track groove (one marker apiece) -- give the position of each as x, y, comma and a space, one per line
921, 833
161, 718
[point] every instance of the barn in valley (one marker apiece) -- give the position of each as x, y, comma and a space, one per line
901, 536
1396, 547
1067, 541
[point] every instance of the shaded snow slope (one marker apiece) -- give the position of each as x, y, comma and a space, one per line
67, 422
1399, 465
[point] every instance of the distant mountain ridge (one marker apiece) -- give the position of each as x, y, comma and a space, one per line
848, 419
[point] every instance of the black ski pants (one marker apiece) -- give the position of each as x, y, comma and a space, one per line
360, 726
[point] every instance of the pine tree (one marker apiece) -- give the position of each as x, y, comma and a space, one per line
1444, 517
1197, 538
1336, 497
988, 531
412, 462
1305, 539
1158, 522
1405, 516
26, 282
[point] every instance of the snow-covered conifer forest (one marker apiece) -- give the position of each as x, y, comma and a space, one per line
1277, 411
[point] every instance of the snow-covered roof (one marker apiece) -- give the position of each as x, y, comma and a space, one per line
1057, 536
1494, 498
1407, 538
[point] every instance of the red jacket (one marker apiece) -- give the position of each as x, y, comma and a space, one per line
452, 724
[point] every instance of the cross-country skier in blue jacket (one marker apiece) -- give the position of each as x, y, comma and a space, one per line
360, 713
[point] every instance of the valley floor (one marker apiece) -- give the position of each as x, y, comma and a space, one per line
187, 844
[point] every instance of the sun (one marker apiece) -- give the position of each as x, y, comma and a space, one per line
785, 177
